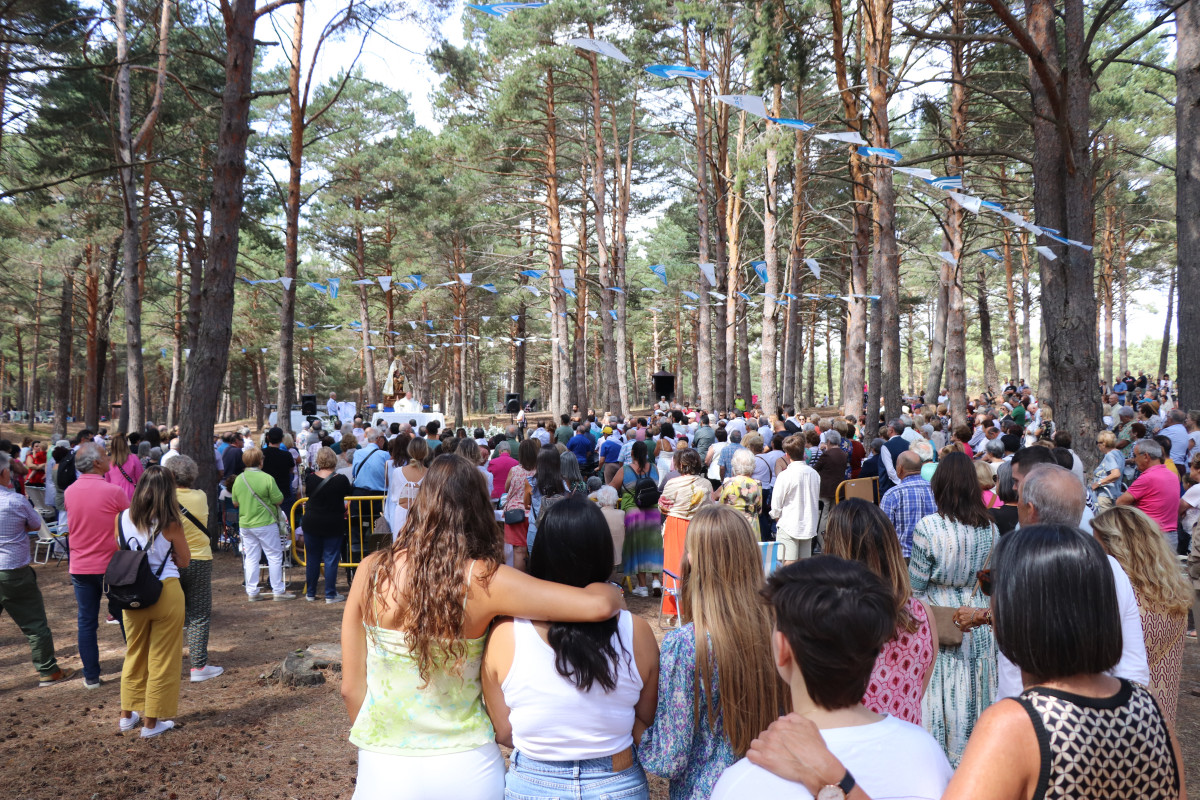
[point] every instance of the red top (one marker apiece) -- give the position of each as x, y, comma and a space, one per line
1156, 491
92, 507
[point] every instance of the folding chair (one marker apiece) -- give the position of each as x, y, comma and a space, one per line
671, 583
54, 543
772, 552
37, 496
862, 488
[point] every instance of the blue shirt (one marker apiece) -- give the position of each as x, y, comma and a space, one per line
1179, 442
370, 468
906, 504
610, 451
582, 446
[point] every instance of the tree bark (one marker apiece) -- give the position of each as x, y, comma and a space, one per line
560, 388
1026, 306
956, 334
854, 357
704, 354
1106, 294
1164, 354
66, 333
210, 358
768, 376
1187, 204
285, 394
937, 341
991, 377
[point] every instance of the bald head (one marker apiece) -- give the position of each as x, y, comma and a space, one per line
908, 463
1050, 495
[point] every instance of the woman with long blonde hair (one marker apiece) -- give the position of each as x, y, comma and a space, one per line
1163, 594
126, 467
860, 531
717, 686
413, 636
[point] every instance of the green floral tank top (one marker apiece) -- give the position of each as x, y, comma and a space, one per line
400, 717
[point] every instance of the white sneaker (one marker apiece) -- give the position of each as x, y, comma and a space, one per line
162, 727
640, 591
206, 673
129, 724
337, 598
656, 587
283, 596
254, 597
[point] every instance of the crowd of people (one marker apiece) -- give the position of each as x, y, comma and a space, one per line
986, 620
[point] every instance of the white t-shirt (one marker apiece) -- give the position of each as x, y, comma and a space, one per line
1192, 498
1132, 666
889, 759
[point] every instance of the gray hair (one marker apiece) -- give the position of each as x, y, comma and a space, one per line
1125, 412
1148, 447
833, 438
898, 425
735, 436
5, 461
994, 447
1048, 488
1177, 416
742, 462
923, 449
86, 457
877, 444
605, 497
184, 469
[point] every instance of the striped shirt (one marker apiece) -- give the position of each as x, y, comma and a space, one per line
906, 504
17, 520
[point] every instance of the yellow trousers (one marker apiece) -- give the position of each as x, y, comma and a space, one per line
154, 655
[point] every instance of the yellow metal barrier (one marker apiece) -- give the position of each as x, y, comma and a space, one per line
360, 539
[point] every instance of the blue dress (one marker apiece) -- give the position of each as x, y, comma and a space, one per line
685, 750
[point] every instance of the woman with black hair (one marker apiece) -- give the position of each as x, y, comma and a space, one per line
1074, 731
544, 489
572, 698
948, 549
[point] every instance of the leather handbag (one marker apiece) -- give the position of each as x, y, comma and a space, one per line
949, 634
514, 516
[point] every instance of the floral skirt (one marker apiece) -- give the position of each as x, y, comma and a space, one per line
642, 550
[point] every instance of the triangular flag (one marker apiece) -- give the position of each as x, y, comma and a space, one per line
287, 283
490, 288
600, 46
947, 256
812, 264
690, 295
612, 313
883, 152
568, 278
991, 252
485, 319
746, 102
798, 124
968, 202
760, 269
661, 271
709, 270
850, 137
465, 277
320, 287
385, 282
417, 280
362, 282
334, 283
592, 314
535, 291
916, 172
533, 273
1047, 252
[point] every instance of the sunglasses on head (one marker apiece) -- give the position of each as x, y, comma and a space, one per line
984, 576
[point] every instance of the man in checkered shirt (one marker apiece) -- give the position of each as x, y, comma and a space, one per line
908, 501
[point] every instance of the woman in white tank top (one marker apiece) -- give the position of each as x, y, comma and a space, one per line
572, 698
664, 449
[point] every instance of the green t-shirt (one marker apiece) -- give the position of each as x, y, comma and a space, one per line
563, 433
739, 404
1018, 414
251, 513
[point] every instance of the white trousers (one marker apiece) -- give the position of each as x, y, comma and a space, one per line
256, 541
474, 775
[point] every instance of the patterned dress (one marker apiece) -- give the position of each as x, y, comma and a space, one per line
642, 550
945, 557
685, 750
746, 495
898, 680
1078, 738
1164, 652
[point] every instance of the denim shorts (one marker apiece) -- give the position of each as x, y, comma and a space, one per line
593, 779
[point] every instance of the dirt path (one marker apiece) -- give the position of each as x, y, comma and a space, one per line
241, 737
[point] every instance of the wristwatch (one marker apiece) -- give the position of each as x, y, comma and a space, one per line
839, 790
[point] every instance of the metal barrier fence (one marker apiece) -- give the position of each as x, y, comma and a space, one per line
360, 537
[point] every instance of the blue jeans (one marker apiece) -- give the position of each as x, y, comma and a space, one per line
318, 549
592, 779
89, 589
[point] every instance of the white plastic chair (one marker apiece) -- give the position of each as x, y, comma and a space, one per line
49, 538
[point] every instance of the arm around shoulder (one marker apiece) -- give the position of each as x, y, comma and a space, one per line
512, 593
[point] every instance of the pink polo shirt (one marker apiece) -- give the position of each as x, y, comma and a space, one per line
92, 508
1156, 491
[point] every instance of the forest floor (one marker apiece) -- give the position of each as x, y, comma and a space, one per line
241, 736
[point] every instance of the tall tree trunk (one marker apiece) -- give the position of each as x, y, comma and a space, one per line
991, 377
623, 175
937, 341
1187, 204
1164, 353
1106, 293
579, 350
31, 403
733, 228
1026, 310
854, 358
768, 376
1010, 297
1123, 285
793, 357
704, 350
210, 358
364, 310
134, 372
560, 388
956, 333
285, 394
66, 332
173, 396
877, 24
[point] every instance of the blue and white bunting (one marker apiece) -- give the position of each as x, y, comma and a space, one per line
503, 9
883, 152
849, 137
660, 270
677, 71
334, 283
751, 104
814, 267
533, 273
993, 253
788, 122
600, 46
760, 269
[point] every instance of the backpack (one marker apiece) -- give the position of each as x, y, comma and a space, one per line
129, 583
645, 492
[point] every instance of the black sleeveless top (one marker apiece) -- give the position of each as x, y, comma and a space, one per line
1108, 748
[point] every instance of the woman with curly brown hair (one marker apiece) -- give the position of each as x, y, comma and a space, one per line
413, 636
